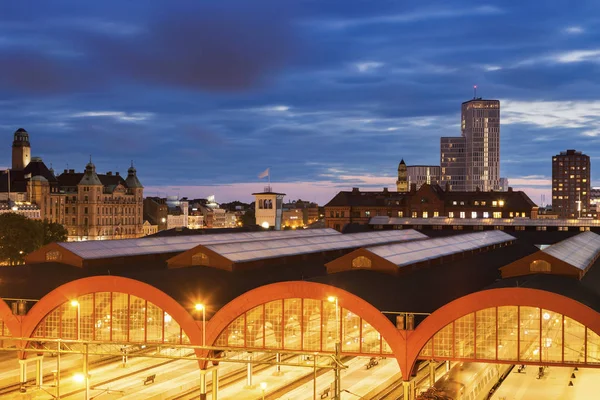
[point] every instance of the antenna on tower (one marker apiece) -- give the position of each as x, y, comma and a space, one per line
474, 92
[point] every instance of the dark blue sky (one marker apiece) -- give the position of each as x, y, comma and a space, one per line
204, 95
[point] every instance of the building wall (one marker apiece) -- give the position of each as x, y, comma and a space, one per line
421, 174
95, 213
268, 209
156, 210
480, 126
571, 184
452, 162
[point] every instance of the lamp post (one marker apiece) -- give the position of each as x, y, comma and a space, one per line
200, 307
337, 380
263, 387
75, 303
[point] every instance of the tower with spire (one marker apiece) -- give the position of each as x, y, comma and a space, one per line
402, 182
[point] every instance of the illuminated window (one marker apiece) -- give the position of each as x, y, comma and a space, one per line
450, 214
53, 255
483, 203
494, 204
497, 214
462, 214
425, 214
414, 214
453, 203
473, 214
476, 203
540, 266
361, 262
367, 214
200, 259
486, 214
501, 203
436, 213
400, 214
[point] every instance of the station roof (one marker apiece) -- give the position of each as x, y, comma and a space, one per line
99, 249
267, 249
579, 251
402, 254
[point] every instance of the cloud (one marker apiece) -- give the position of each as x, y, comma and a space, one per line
575, 56
367, 66
573, 30
552, 114
492, 67
118, 115
409, 17
223, 46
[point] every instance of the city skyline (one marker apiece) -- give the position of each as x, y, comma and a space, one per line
289, 90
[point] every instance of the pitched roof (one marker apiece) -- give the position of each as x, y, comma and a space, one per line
373, 199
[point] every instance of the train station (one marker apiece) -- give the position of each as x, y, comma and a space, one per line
306, 314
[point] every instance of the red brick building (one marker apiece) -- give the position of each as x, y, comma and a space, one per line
429, 201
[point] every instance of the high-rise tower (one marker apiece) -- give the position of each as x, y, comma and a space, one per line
21, 150
480, 126
571, 184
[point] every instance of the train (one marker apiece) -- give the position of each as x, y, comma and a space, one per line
471, 381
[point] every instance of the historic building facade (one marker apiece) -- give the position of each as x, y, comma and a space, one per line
430, 201
90, 205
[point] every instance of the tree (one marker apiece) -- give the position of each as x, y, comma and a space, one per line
54, 232
18, 236
249, 218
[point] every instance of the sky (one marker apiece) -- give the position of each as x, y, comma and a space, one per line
205, 95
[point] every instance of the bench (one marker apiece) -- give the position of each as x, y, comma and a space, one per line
149, 379
325, 393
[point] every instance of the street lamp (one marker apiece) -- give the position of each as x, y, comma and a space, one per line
263, 387
75, 303
337, 377
200, 307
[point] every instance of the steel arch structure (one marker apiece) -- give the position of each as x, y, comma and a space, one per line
297, 315
547, 329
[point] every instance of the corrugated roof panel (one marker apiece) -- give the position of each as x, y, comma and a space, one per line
578, 251
95, 249
422, 250
252, 251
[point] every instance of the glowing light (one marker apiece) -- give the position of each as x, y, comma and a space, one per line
265, 225
331, 299
78, 378
168, 318
546, 316
263, 385
74, 303
199, 307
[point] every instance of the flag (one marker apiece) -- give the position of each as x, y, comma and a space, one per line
265, 173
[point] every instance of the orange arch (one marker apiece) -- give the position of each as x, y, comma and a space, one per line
95, 284
10, 320
305, 290
496, 298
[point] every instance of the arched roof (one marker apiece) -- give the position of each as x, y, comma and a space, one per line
495, 298
96, 284
305, 290
9, 319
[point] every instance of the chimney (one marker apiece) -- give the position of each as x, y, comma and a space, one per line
413, 187
71, 171
117, 173
66, 170
510, 189
355, 190
385, 190
109, 173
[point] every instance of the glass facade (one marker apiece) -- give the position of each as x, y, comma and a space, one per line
517, 334
303, 324
111, 317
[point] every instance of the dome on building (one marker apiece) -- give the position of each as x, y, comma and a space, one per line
90, 178
132, 179
21, 136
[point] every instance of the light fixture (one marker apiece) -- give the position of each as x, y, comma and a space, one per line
199, 307
263, 385
78, 377
265, 225
74, 303
331, 299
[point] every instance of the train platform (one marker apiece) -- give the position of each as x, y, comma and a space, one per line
554, 385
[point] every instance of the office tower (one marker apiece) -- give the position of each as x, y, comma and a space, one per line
452, 163
571, 184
